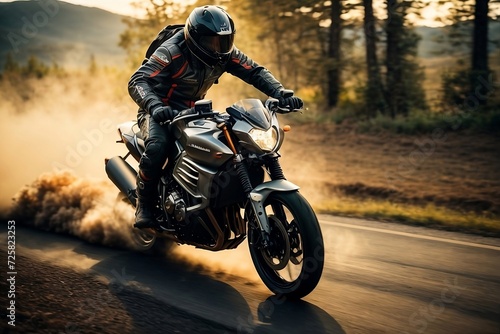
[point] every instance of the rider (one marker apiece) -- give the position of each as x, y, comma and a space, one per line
176, 75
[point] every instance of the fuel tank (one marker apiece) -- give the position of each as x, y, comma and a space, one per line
200, 139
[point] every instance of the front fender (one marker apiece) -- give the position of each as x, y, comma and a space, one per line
262, 191
259, 195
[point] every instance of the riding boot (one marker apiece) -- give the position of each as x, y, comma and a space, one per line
145, 209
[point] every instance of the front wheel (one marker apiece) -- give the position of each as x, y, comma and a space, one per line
292, 261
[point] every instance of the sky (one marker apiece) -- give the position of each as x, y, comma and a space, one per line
115, 6
123, 7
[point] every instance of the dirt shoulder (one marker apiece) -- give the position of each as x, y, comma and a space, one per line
449, 169
53, 299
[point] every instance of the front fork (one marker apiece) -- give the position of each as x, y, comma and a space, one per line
258, 195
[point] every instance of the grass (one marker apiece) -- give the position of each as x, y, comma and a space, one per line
417, 122
428, 215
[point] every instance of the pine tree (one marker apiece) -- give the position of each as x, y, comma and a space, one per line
479, 66
10, 66
93, 65
35, 67
468, 78
403, 75
374, 95
334, 54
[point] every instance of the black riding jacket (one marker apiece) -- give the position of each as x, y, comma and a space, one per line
173, 76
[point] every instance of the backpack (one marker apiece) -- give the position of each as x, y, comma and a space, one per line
163, 35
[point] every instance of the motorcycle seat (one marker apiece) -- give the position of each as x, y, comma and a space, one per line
132, 137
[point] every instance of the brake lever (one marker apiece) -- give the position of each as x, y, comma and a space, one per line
283, 110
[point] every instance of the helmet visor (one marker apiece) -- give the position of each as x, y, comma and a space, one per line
217, 44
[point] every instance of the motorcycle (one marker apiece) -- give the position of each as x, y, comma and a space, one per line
223, 183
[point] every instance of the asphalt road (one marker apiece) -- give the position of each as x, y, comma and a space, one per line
378, 278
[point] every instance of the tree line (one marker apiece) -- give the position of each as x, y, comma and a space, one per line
353, 53
393, 77
310, 43
33, 67
36, 68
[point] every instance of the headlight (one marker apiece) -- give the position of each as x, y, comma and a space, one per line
266, 140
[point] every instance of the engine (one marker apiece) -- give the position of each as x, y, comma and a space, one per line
175, 206
189, 226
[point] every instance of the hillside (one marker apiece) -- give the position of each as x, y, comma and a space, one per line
63, 33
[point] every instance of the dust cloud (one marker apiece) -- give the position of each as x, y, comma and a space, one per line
57, 133
58, 124
63, 203
227, 262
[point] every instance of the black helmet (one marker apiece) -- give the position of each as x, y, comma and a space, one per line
209, 33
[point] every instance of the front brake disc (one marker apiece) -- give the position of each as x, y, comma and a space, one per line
277, 253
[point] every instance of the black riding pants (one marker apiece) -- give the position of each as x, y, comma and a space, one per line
158, 142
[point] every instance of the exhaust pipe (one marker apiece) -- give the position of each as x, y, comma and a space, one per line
123, 176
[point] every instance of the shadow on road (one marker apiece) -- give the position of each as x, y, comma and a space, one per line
174, 285
278, 314
161, 292
189, 289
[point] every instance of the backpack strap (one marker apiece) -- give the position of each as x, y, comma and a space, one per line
179, 62
164, 34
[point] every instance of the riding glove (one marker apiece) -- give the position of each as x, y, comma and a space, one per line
189, 111
163, 114
292, 103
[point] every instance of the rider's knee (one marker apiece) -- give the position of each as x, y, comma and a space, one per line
154, 157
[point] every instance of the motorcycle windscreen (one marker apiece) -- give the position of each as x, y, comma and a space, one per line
255, 112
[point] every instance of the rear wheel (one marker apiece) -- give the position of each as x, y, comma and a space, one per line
292, 261
145, 240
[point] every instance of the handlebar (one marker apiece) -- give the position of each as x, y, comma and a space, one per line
273, 105
204, 110
192, 117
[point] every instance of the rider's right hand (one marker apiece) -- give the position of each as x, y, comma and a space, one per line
163, 114
188, 111
291, 103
